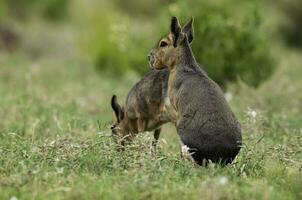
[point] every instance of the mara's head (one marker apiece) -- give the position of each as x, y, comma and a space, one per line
118, 128
167, 51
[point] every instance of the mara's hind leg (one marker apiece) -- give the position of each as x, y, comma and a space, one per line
155, 139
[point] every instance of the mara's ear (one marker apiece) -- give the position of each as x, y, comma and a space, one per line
119, 113
188, 30
175, 30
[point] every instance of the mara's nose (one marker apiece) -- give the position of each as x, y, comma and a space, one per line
149, 57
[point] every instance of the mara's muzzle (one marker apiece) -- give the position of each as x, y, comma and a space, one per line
151, 60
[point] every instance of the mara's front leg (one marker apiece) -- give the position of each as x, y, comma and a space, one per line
185, 153
141, 124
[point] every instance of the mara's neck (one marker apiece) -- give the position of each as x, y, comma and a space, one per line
186, 58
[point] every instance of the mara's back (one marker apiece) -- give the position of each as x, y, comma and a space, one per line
207, 123
146, 98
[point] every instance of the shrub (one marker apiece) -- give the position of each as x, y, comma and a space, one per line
109, 39
291, 31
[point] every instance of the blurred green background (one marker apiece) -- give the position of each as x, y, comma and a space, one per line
233, 38
61, 61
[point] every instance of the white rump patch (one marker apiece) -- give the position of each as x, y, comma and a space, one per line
185, 150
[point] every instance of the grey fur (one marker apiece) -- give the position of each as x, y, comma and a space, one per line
144, 107
204, 121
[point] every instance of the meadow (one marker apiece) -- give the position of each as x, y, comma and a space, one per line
70, 57
56, 141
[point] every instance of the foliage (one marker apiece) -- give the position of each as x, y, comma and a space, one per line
24, 9
114, 44
291, 30
144, 8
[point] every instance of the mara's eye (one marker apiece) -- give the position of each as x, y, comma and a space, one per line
113, 127
163, 44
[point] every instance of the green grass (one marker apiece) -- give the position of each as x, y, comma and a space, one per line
55, 140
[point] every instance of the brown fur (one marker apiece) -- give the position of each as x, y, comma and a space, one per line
203, 119
144, 108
